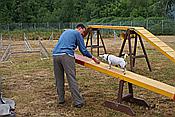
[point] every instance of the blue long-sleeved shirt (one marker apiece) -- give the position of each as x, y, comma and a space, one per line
68, 42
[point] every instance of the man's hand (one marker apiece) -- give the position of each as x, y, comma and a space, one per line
95, 60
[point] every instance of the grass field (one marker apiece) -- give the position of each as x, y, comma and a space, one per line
29, 81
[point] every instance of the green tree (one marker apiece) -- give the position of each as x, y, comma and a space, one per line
5, 11
35, 11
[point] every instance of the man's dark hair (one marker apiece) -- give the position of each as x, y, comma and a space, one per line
80, 25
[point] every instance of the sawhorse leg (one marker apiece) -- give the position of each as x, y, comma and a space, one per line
145, 54
103, 45
118, 106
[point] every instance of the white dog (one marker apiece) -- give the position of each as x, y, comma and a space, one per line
114, 60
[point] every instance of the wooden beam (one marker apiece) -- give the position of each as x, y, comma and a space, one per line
157, 43
109, 27
139, 80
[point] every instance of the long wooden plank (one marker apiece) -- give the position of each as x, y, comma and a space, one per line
157, 43
109, 27
167, 49
139, 80
154, 39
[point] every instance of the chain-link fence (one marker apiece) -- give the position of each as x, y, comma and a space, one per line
157, 27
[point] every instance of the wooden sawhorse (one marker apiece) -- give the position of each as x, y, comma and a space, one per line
128, 38
97, 45
133, 55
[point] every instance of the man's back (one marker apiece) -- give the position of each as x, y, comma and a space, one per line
67, 42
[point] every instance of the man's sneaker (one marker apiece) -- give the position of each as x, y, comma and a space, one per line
79, 105
62, 102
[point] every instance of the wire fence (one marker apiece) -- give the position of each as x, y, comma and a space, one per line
157, 27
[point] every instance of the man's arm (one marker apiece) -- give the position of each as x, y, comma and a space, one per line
84, 51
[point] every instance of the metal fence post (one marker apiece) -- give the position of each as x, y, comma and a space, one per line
8, 28
1, 41
162, 26
131, 23
21, 26
47, 24
147, 24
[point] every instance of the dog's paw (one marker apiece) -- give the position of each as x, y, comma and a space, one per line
109, 67
124, 71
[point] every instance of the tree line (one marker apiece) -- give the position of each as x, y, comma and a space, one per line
42, 11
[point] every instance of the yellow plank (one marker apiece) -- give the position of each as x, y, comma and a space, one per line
143, 31
168, 55
167, 49
109, 27
172, 54
145, 34
149, 34
154, 39
139, 28
151, 37
159, 45
139, 80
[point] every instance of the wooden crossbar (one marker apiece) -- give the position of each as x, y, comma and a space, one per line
139, 80
22, 52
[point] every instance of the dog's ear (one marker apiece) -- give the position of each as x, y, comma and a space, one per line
126, 55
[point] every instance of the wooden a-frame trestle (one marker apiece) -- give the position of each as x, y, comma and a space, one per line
128, 37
